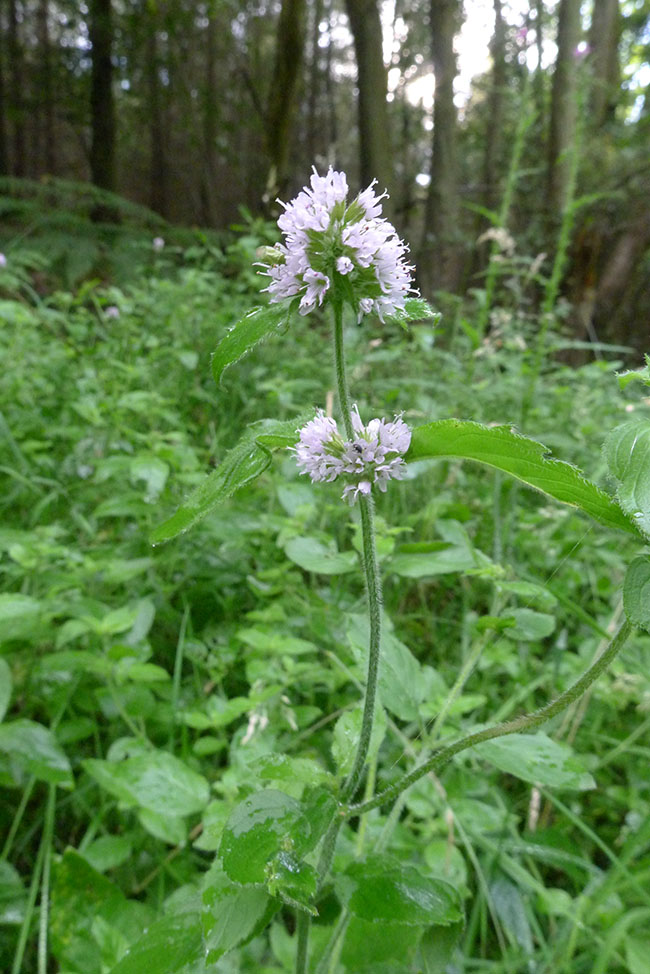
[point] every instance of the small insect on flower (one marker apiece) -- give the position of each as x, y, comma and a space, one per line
373, 457
328, 239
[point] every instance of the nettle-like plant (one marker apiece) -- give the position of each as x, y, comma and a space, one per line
275, 850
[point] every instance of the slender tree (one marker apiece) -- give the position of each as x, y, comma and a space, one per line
440, 259
157, 141
289, 51
4, 148
17, 92
47, 92
604, 37
372, 82
102, 109
495, 108
564, 106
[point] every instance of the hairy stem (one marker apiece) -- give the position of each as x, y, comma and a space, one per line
519, 724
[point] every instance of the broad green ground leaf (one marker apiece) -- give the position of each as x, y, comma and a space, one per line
379, 948
168, 945
400, 675
231, 914
19, 616
107, 852
636, 592
527, 460
293, 880
80, 894
5, 687
529, 625
314, 556
246, 461
538, 759
257, 830
157, 781
429, 559
627, 451
168, 828
249, 331
37, 750
384, 890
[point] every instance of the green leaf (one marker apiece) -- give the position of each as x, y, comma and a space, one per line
527, 460
313, 556
400, 675
80, 894
537, 759
13, 895
246, 461
511, 910
293, 881
107, 852
37, 750
436, 558
347, 732
232, 914
381, 889
257, 830
529, 626
415, 309
249, 331
157, 781
168, 946
627, 451
636, 592
437, 947
642, 375
19, 616
168, 828
5, 687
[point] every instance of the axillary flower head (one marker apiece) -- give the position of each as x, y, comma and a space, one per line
373, 457
332, 245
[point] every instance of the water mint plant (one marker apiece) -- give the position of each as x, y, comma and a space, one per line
280, 851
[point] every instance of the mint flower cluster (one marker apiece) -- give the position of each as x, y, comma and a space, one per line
335, 247
374, 456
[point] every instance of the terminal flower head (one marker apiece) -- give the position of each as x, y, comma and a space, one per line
373, 456
332, 245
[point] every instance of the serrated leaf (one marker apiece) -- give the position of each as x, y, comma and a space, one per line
538, 759
35, 747
381, 889
156, 780
627, 451
257, 830
231, 913
415, 309
248, 332
636, 593
246, 461
502, 448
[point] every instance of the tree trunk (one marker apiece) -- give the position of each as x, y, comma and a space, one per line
47, 89
210, 118
4, 148
314, 119
604, 37
374, 130
102, 109
440, 265
17, 102
157, 152
289, 50
564, 107
494, 114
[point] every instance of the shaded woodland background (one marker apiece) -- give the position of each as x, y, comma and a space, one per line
196, 110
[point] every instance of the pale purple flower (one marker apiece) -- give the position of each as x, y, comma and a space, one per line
373, 456
112, 311
325, 237
158, 244
3, 260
